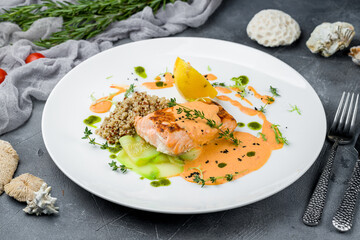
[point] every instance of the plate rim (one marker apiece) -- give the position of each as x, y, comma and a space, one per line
201, 211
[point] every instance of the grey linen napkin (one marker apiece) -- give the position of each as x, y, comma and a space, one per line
35, 80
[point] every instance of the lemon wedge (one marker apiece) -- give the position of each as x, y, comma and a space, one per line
190, 83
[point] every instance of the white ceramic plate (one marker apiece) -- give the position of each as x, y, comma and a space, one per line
68, 106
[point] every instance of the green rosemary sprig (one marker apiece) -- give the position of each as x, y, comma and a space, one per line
83, 20
193, 114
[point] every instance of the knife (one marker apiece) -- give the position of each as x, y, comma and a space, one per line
343, 218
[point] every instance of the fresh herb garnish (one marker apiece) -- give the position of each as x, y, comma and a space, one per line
108, 77
295, 108
278, 135
263, 136
115, 167
199, 179
93, 99
218, 84
240, 82
269, 99
130, 90
82, 20
209, 68
192, 114
274, 91
88, 133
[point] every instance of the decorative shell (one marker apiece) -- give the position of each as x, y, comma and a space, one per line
42, 203
328, 38
272, 28
23, 187
9, 160
355, 54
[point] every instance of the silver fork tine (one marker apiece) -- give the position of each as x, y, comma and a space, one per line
342, 118
354, 113
347, 121
337, 115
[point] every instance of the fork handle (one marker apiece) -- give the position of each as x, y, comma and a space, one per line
315, 207
344, 215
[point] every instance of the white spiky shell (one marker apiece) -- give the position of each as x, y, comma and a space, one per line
42, 203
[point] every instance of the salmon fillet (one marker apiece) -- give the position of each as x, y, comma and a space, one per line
172, 133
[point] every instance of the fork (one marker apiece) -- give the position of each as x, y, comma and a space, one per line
341, 132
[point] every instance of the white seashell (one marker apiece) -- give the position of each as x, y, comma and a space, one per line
272, 28
355, 54
328, 38
42, 202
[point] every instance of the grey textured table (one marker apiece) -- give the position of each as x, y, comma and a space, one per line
85, 216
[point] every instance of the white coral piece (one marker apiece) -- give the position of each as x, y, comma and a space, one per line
355, 54
328, 38
272, 28
42, 202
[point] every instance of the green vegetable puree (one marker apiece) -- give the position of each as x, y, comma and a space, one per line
254, 126
160, 182
221, 165
140, 71
250, 154
115, 149
240, 124
91, 120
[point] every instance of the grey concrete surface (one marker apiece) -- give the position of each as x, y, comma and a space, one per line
85, 216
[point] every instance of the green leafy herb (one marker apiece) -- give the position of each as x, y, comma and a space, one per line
274, 91
109, 77
262, 108
218, 84
263, 136
83, 20
278, 135
295, 108
199, 179
115, 167
130, 90
193, 114
240, 82
209, 68
229, 177
88, 133
93, 99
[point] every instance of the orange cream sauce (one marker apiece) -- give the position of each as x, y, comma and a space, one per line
263, 98
223, 90
210, 77
236, 160
168, 83
104, 104
243, 98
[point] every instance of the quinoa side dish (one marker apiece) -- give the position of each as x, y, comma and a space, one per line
121, 120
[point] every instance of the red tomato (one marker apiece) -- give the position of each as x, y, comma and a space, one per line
33, 57
2, 75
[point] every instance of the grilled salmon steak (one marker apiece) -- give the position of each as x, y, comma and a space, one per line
173, 133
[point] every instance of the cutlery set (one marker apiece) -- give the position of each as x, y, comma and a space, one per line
342, 131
